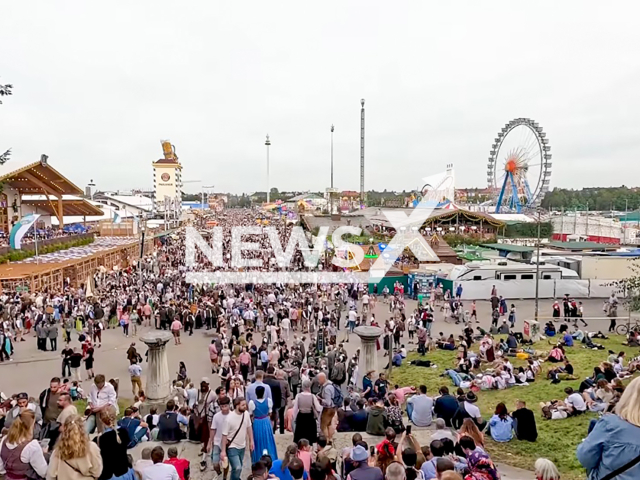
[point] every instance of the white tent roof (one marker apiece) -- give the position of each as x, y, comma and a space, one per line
512, 217
107, 215
138, 201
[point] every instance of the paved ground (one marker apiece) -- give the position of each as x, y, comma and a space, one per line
31, 370
191, 452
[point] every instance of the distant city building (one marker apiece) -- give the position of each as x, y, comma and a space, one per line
473, 195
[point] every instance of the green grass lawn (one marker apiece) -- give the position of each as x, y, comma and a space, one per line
557, 439
123, 404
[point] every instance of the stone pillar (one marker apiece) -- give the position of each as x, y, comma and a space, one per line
368, 354
158, 385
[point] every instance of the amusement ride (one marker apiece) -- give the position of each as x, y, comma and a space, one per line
519, 167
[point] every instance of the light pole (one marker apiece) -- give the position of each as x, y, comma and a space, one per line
362, 153
331, 191
535, 314
268, 144
332, 156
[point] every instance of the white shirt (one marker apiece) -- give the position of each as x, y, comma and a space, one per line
353, 316
140, 465
252, 405
105, 396
217, 424
472, 410
160, 471
576, 401
233, 425
285, 323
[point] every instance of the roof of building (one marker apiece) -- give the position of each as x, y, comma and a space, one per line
36, 177
507, 247
106, 213
305, 196
168, 161
376, 214
136, 201
314, 221
71, 205
573, 246
512, 217
440, 246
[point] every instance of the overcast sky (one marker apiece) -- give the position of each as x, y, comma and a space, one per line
98, 84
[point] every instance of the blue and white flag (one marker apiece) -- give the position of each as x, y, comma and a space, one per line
116, 218
20, 229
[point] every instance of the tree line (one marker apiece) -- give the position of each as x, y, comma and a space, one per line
593, 198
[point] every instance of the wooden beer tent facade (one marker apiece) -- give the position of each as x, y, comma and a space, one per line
50, 277
39, 178
44, 190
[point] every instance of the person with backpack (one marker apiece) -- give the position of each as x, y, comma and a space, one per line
137, 429
331, 399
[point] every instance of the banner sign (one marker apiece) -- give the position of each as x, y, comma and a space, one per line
20, 229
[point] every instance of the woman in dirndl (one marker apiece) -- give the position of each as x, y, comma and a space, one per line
262, 430
306, 411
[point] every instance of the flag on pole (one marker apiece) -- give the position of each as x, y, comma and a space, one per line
20, 229
116, 218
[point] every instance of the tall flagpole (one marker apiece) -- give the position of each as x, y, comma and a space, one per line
362, 154
35, 228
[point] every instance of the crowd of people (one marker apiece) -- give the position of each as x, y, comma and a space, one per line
41, 234
278, 353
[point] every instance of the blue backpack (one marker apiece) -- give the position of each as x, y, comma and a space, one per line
338, 397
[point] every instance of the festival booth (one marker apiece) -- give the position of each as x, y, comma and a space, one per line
391, 277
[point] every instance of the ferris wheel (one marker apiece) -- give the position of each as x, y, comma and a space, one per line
519, 168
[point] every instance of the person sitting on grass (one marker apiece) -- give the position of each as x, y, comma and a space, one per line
598, 397
504, 328
550, 329
445, 406
468, 409
567, 339
501, 424
557, 354
578, 335
446, 344
575, 402
524, 422
554, 410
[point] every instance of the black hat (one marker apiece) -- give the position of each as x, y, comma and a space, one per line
471, 397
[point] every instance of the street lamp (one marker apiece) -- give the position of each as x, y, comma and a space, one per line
332, 155
268, 144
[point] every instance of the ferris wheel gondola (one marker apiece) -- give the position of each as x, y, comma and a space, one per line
519, 167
